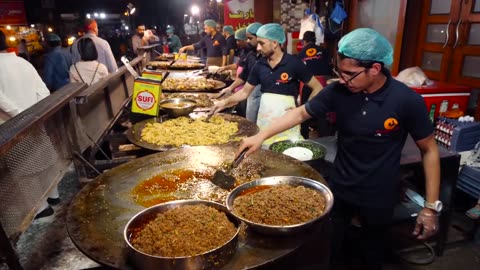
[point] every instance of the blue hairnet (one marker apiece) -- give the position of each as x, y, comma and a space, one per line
253, 28
367, 45
241, 33
272, 31
210, 23
228, 29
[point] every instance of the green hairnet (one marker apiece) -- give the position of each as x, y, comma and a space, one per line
228, 29
253, 28
210, 23
169, 30
241, 33
272, 31
53, 38
367, 45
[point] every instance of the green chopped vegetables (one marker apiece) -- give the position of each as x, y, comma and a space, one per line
317, 150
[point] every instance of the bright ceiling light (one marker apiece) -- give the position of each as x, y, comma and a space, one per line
12, 39
50, 29
95, 15
32, 25
9, 27
89, 16
219, 1
195, 10
131, 8
126, 27
102, 15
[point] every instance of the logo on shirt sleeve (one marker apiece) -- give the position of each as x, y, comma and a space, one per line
311, 52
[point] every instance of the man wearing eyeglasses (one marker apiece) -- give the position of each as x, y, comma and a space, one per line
375, 113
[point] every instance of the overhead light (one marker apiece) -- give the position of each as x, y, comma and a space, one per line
195, 10
185, 15
50, 29
32, 25
12, 39
126, 27
9, 27
89, 16
95, 15
102, 15
131, 8
126, 13
70, 40
219, 1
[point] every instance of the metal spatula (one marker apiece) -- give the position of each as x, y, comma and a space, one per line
224, 179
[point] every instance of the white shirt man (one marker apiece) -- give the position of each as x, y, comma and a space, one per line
105, 54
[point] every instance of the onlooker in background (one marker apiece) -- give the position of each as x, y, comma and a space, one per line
219, 27
105, 55
174, 43
318, 63
214, 42
141, 38
20, 88
253, 100
23, 50
56, 65
88, 70
231, 46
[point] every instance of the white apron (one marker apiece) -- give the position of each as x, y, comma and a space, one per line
272, 107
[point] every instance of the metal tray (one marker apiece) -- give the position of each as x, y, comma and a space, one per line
219, 85
245, 129
98, 214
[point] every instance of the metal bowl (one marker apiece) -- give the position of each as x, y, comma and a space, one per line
301, 143
180, 111
212, 259
281, 180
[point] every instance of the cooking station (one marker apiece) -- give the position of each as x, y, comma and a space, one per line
87, 125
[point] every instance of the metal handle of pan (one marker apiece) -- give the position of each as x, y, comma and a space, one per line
239, 158
457, 33
447, 37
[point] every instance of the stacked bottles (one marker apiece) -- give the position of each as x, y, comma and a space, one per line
444, 131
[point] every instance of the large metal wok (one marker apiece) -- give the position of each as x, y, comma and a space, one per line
97, 215
245, 128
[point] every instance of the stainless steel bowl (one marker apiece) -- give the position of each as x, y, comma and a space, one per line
180, 111
299, 143
213, 259
281, 180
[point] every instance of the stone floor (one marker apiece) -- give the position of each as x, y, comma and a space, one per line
46, 245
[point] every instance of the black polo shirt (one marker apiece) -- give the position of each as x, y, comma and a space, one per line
316, 58
215, 45
372, 129
250, 61
231, 44
283, 79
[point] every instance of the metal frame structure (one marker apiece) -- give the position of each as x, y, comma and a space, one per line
38, 145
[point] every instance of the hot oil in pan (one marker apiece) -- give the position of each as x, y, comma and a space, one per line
177, 185
254, 190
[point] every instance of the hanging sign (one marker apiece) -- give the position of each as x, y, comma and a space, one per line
238, 13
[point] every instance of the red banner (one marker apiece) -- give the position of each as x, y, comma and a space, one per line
12, 13
238, 13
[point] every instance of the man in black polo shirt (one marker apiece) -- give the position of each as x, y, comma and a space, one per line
214, 42
375, 113
279, 74
231, 44
247, 63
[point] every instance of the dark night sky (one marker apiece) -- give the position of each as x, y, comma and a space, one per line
150, 12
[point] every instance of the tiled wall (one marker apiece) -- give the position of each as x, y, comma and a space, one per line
291, 14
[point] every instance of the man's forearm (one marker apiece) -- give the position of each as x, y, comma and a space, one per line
236, 98
431, 166
237, 83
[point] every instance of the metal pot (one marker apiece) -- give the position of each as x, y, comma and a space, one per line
177, 111
281, 180
213, 259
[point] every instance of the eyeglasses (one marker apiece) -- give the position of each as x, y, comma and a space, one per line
347, 80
